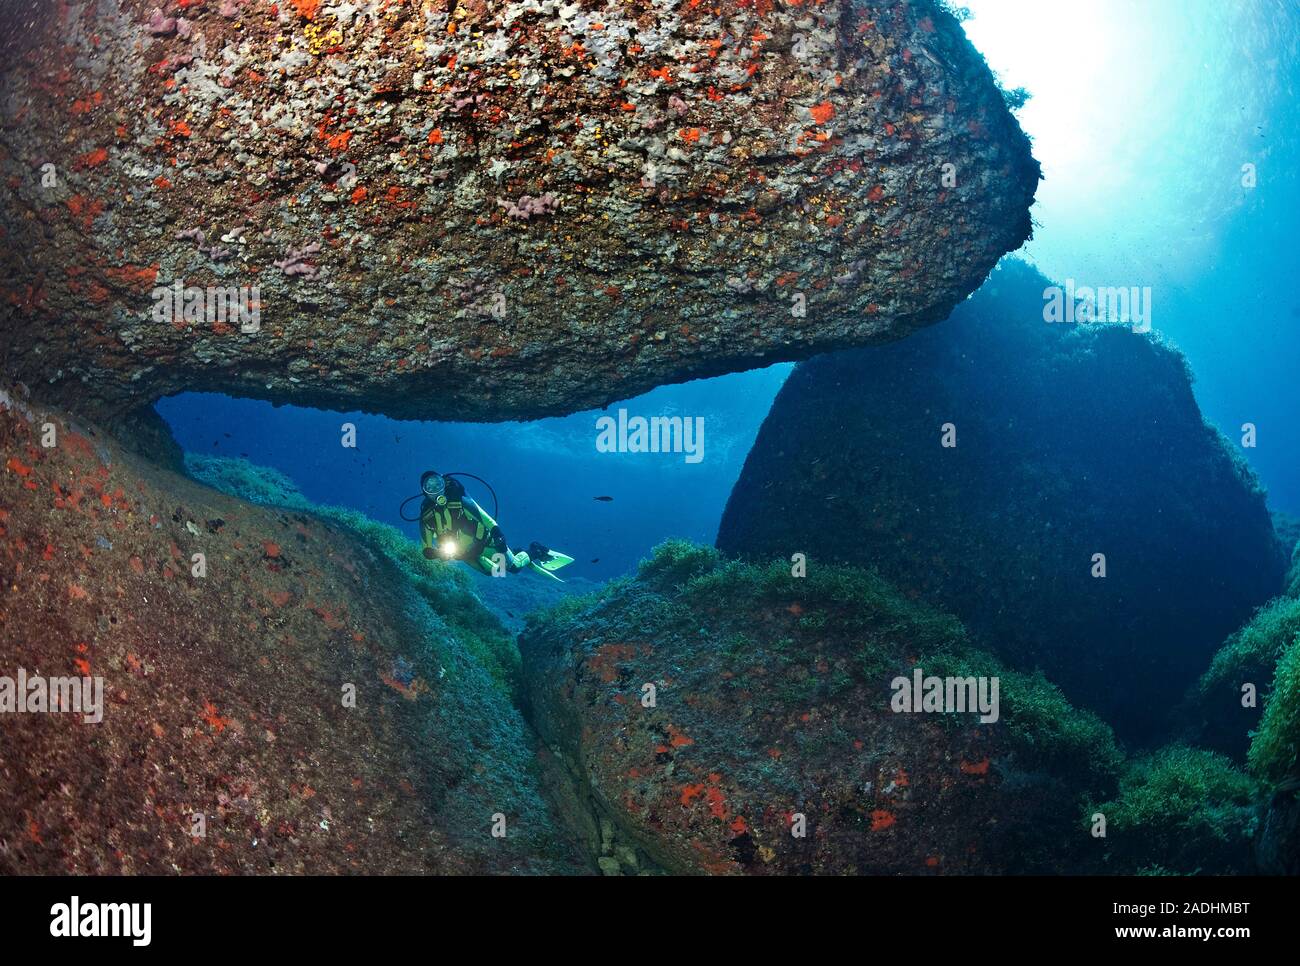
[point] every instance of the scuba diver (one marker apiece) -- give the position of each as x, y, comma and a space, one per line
454, 527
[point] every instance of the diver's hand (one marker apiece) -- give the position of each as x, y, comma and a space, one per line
430, 553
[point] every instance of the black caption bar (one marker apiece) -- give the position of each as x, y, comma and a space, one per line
305, 915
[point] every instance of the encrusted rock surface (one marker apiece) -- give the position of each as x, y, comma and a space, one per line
1050, 467
485, 211
224, 693
730, 719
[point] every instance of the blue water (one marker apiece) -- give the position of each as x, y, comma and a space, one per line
546, 473
1143, 114
1149, 119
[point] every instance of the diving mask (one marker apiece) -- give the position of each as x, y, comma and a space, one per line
433, 484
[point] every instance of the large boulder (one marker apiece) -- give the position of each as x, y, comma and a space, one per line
1071, 441
309, 696
484, 211
722, 717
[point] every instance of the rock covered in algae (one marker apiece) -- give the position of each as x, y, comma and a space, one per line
735, 719
1074, 448
485, 211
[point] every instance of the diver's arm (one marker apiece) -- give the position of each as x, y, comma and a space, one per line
478, 516
426, 534
477, 512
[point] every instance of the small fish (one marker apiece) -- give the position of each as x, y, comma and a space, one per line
595, 560
603, 499
932, 59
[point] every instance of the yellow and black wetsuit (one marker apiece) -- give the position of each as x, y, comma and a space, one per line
454, 527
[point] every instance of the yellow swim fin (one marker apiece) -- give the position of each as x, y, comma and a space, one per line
546, 561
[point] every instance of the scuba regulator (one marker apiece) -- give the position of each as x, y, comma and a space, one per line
433, 486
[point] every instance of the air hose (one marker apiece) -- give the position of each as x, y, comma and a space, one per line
496, 505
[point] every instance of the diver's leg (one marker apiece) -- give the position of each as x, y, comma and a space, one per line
514, 561
492, 561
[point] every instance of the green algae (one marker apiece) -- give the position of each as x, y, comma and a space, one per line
1216, 710
853, 599
447, 589
1047, 732
781, 677
1274, 754
262, 485
1250, 653
1180, 810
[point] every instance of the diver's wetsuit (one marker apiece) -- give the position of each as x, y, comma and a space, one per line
475, 537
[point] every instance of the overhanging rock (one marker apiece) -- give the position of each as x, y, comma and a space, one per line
484, 211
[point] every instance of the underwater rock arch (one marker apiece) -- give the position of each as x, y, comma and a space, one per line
485, 211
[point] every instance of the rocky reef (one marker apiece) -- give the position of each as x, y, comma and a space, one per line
1225, 705
1249, 700
289, 687
1247, 706
983, 466
1274, 754
482, 211
284, 688
445, 209
723, 717
720, 716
